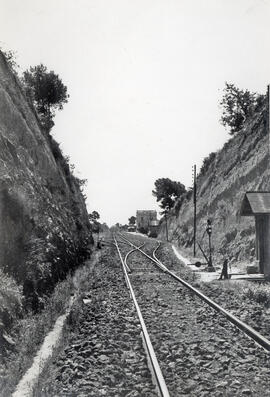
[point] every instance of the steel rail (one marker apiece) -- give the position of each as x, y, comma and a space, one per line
154, 253
151, 353
251, 332
157, 262
127, 255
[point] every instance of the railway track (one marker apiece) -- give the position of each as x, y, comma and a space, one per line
171, 294
154, 365
252, 333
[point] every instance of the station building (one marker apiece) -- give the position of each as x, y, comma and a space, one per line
146, 219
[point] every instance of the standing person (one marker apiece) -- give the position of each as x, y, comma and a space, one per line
224, 272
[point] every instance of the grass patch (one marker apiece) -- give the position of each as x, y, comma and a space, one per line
84, 282
258, 293
30, 331
28, 334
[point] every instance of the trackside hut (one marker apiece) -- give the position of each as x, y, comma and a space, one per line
257, 204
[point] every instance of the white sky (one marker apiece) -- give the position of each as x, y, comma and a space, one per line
144, 78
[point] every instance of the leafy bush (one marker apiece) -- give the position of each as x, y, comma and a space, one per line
237, 106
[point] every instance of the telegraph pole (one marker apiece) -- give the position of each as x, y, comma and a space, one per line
166, 223
268, 118
194, 175
209, 232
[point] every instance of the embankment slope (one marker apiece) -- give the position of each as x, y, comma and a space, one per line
241, 165
44, 225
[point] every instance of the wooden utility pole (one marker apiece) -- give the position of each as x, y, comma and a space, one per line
268, 118
195, 208
209, 232
166, 223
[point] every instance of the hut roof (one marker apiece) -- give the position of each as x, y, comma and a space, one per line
255, 203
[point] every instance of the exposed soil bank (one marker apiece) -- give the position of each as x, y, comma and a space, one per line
44, 226
241, 165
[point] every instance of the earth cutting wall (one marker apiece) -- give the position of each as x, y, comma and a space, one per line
43, 220
241, 165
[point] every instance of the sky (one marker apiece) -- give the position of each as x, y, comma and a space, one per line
145, 78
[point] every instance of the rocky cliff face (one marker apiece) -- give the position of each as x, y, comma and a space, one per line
43, 220
241, 165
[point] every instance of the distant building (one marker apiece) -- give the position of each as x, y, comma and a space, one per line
145, 219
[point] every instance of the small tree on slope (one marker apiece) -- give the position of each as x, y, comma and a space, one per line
237, 106
47, 92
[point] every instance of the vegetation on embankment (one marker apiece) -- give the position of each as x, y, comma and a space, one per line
241, 165
29, 331
45, 232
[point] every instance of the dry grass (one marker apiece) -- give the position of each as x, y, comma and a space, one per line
82, 281
29, 332
258, 293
